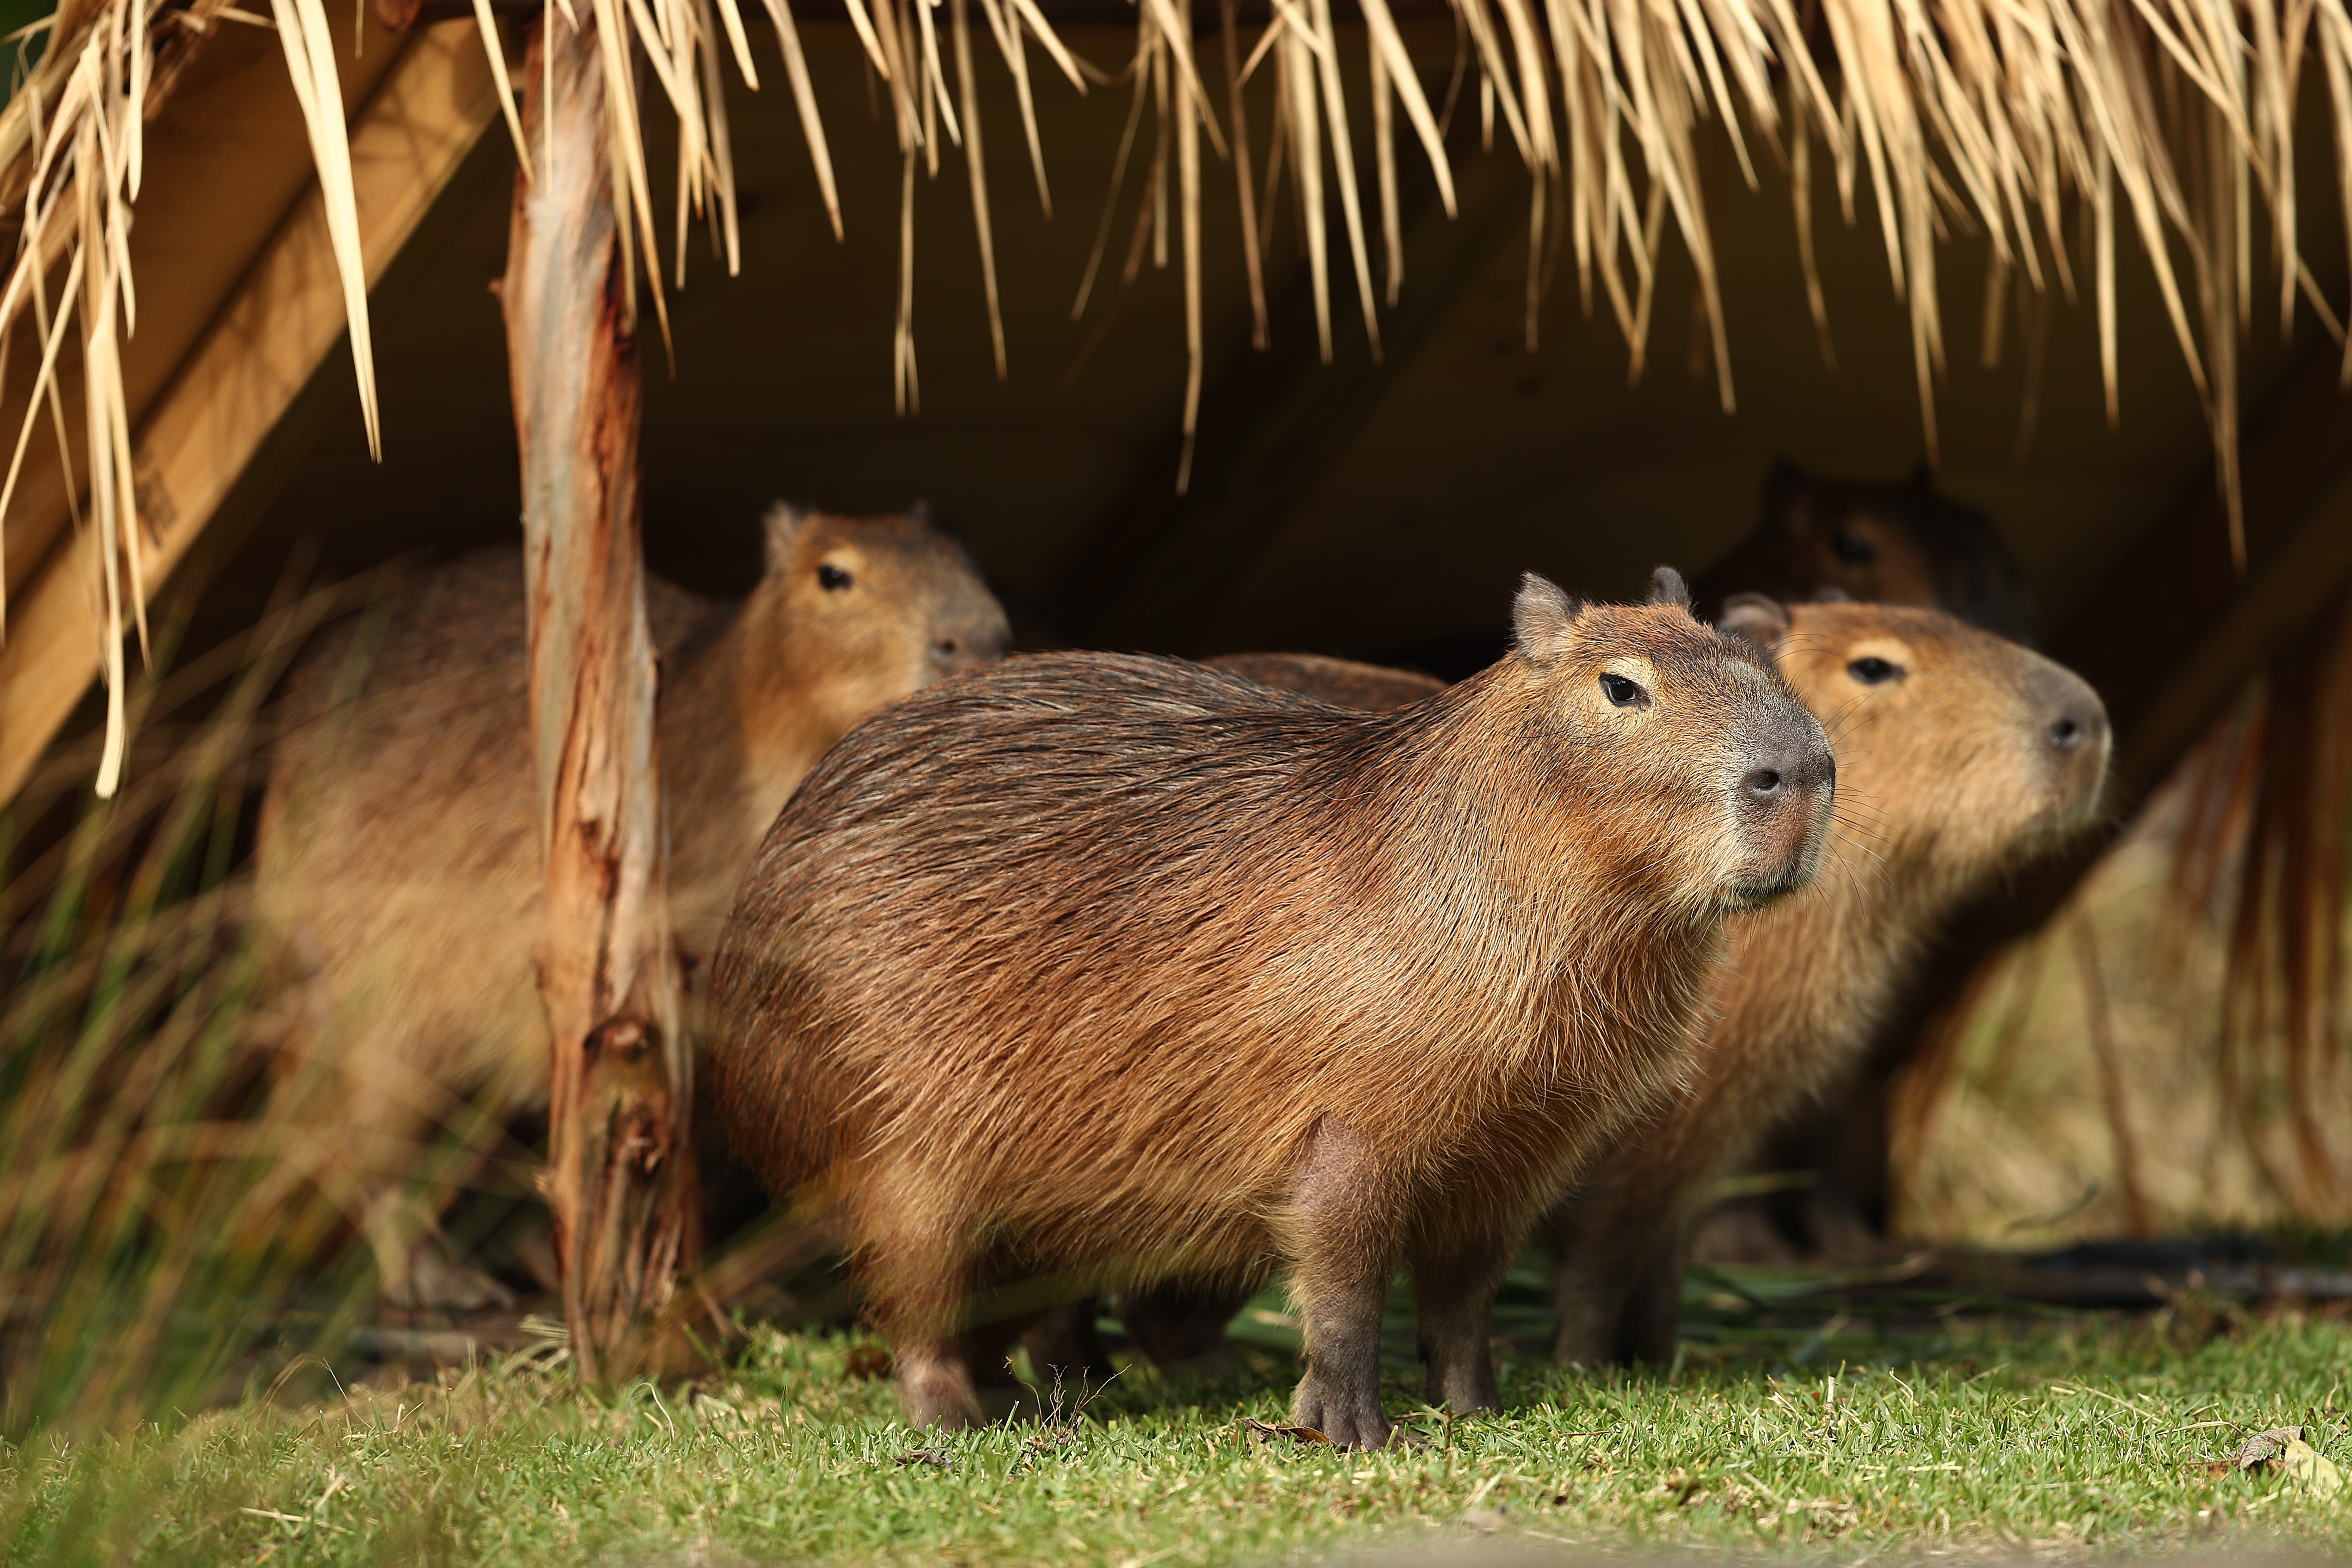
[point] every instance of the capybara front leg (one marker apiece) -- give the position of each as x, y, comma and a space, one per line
919, 1290
1341, 1248
1454, 1281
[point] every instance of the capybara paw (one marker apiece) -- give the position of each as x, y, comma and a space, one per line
438, 1281
1349, 1422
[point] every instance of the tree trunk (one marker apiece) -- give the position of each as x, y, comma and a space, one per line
620, 1175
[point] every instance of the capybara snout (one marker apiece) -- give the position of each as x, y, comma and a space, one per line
2073, 722
1782, 804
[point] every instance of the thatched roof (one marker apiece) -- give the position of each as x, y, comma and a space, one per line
2027, 131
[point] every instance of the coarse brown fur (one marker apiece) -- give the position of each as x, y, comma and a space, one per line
1975, 755
1372, 687
1097, 970
399, 860
1900, 543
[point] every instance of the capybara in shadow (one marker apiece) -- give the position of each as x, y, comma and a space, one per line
399, 862
1959, 755
1899, 543
1090, 970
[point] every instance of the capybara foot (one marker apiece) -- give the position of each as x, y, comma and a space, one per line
1351, 1418
935, 1388
436, 1280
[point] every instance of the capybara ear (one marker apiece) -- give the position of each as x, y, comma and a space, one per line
1832, 595
1752, 617
1667, 588
781, 530
1540, 618
919, 510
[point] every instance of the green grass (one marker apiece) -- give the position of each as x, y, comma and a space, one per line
2070, 1433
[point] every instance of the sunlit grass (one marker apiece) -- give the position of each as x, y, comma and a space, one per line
2069, 1434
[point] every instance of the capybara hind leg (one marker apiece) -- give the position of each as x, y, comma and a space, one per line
1340, 1244
1650, 1319
1064, 1341
1454, 1290
1177, 1319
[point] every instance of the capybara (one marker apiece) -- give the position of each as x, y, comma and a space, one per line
1900, 543
1959, 755
1091, 970
400, 866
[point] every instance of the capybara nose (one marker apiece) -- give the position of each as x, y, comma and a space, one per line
2074, 720
1784, 799
967, 648
2078, 726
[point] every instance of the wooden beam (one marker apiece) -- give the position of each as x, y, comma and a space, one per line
284, 318
1271, 430
620, 1170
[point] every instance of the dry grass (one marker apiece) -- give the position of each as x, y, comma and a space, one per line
2039, 126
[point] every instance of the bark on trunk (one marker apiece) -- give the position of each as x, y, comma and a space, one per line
620, 1173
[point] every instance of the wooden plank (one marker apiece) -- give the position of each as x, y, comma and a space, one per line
620, 1165
284, 318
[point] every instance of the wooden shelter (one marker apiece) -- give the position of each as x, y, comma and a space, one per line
2059, 244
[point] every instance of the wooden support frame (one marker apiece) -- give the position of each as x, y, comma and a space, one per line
620, 1177
271, 334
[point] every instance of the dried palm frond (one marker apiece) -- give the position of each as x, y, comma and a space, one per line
2266, 840
2170, 119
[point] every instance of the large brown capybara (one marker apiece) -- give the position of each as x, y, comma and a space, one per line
400, 867
1094, 970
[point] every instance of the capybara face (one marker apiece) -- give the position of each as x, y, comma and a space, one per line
1967, 749
879, 606
1889, 543
1687, 727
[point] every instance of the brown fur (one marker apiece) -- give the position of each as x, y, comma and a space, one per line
399, 863
1948, 774
1903, 542
1372, 687
1095, 968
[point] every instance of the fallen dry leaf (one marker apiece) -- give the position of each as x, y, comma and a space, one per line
1268, 1431
938, 1458
869, 1361
2285, 1449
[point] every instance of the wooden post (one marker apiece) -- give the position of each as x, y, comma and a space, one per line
620, 1175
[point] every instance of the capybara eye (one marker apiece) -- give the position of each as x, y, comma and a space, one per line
832, 579
1623, 692
1874, 671
1852, 548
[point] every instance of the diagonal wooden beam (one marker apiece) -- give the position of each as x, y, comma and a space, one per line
1271, 428
283, 318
